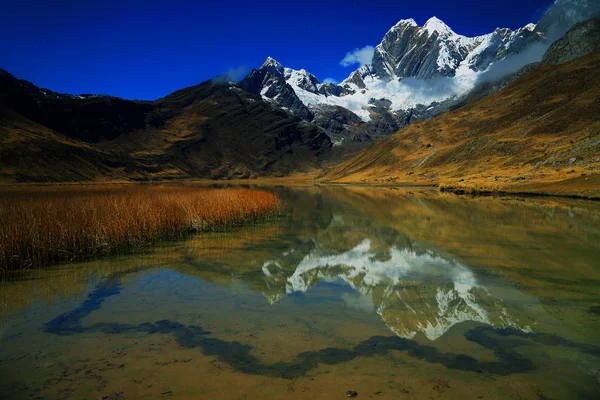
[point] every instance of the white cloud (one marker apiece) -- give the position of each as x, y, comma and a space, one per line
330, 80
511, 64
232, 75
358, 56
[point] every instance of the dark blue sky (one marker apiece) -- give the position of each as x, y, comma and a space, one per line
147, 49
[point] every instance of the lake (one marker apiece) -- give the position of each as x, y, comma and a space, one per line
392, 293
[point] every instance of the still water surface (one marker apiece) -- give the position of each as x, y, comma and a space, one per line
391, 293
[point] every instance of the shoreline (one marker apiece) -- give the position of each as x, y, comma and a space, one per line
574, 188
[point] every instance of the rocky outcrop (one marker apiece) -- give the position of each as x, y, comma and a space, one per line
357, 77
331, 89
435, 50
409, 51
337, 121
580, 40
269, 81
302, 79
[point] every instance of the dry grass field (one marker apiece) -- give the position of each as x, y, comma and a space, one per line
46, 225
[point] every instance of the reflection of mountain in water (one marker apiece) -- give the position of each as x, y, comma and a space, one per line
413, 290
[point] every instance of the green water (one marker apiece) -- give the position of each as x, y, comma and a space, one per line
391, 293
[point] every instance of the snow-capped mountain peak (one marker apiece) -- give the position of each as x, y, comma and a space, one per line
302, 79
415, 73
271, 62
405, 23
436, 25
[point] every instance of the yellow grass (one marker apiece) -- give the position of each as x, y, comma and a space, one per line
46, 225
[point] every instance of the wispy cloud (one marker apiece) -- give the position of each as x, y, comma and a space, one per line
540, 11
511, 64
330, 80
232, 75
358, 56
535, 51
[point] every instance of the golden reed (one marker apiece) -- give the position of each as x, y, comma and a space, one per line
47, 225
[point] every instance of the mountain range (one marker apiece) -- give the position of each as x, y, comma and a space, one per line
277, 121
212, 130
540, 134
416, 72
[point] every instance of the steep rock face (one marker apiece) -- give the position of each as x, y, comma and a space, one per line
302, 79
269, 81
500, 44
409, 51
336, 121
331, 89
580, 40
357, 78
434, 51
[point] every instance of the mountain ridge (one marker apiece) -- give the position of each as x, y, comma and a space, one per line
216, 131
415, 73
267, 125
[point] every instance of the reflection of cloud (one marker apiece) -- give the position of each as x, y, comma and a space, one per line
359, 301
412, 291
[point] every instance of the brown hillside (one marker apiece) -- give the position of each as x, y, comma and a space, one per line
32, 152
541, 134
211, 130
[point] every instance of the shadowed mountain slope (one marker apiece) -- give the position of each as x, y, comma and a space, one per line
206, 131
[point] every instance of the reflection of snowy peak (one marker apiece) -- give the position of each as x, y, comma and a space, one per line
413, 292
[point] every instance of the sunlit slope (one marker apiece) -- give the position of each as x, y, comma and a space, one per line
543, 129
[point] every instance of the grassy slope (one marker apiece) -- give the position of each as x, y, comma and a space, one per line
540, 135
